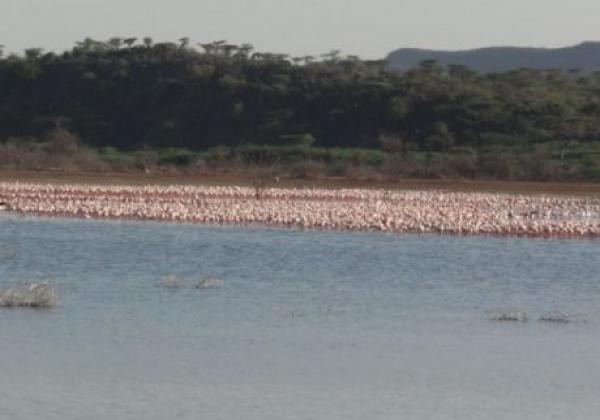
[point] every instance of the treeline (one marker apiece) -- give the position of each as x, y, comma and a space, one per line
133, 94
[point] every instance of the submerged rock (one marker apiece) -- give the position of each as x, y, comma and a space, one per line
556, 317
171, 282
209, 283
34, 295
509, 316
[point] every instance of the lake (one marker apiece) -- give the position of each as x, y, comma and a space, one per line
301, 325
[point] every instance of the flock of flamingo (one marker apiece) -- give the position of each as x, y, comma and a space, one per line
460, 213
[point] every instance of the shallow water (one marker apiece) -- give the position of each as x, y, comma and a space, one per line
304, 325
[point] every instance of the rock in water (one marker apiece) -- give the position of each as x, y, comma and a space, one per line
171, 282
34, 295
557, 317
209, 283
509, 316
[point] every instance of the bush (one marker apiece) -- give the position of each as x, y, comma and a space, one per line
307, 170
62, 141
463, 165
177, 157
305, 140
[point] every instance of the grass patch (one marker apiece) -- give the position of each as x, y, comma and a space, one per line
522, 161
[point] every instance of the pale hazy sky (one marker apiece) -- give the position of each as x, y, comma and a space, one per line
369, 28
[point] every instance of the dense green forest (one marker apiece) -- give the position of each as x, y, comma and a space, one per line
219, 101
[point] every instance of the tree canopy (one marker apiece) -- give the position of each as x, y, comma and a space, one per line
130, 94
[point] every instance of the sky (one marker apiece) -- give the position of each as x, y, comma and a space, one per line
368, 28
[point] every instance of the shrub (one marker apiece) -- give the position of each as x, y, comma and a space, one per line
62, 141
305, 139
307, 170
177, 157
463, 165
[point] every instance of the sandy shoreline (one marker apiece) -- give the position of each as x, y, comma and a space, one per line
398, 211
242, 179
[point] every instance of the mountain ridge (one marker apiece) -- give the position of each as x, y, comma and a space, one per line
584, 56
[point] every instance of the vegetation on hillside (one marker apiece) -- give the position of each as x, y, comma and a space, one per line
126, 103
584, 57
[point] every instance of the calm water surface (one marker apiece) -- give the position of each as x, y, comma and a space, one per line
306, 325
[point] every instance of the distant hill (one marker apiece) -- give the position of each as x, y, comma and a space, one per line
585, 57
